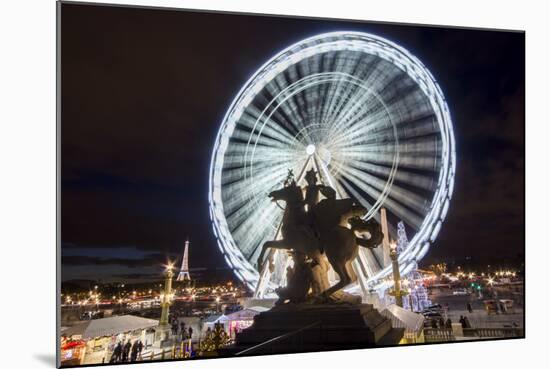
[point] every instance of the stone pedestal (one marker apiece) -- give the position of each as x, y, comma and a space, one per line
163, 336
457, 329
309, 327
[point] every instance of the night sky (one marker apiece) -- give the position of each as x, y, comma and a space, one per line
144, 92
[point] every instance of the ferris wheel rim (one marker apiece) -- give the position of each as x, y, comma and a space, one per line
384, 49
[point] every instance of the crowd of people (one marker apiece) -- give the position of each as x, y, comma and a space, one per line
126, 351
180, 330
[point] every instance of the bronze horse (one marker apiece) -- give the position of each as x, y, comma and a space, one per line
324, 229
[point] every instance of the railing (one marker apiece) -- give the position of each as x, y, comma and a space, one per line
297, 334
438, 335
493, 332
446, 334
168, 353
178, 351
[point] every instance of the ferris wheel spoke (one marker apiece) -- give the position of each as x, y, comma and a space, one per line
403, 196
324, 94
251, 233
274, 127
237, 196
294, 100
263, 142
417, 153
376, 189
361, 99
373, 118
416, 180
364, 134
232, 175
286, 109
333, 98
377, 118
358, 98
310, 66
346, 97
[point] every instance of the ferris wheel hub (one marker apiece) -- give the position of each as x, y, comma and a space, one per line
310, 149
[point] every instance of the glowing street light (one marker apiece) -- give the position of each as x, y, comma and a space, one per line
397, 292
166, 296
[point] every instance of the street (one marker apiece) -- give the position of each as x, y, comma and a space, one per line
457, 306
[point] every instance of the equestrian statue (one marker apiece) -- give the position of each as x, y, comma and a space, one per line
319, 233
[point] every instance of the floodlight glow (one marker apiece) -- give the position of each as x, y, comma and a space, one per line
383, 136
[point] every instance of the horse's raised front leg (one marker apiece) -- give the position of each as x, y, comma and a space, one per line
279, 245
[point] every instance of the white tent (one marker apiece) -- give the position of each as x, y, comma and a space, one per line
237, 320
109, 326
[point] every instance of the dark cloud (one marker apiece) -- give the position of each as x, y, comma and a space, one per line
81, 260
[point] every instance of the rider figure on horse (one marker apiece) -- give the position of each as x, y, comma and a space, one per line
312, 192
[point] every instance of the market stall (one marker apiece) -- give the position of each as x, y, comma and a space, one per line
72, 351
235, 322
98, 337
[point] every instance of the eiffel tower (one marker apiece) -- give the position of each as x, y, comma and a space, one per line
184, 272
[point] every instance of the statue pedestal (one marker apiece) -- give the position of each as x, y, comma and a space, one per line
163, 336
316, 327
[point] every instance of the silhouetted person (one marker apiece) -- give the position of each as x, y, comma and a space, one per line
469, 307
140, 348
134, 352
183, 334
190, 333
448, 323
117, 352
126, 351
462, 321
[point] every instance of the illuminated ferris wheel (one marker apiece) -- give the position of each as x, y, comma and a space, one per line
366, 115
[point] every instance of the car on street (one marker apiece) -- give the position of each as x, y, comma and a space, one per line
461, 292
431, 315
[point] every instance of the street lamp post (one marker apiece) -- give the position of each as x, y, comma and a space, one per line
167, 297
163, 331
397, 292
